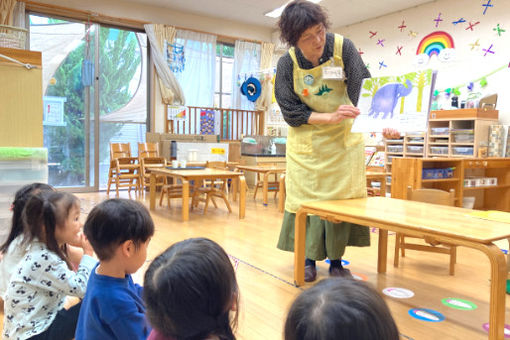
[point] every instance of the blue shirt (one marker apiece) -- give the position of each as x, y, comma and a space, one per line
113, 308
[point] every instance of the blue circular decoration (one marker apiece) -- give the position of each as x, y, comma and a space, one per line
308, 79
251, 88
344, 262
424, 314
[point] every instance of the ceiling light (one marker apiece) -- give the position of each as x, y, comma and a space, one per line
275, 13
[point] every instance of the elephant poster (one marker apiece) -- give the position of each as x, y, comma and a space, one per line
399, 102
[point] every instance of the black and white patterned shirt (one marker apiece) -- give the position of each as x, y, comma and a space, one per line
294, 111
37, 290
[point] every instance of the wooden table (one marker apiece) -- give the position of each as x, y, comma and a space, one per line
266, 171
185, 176
446, 224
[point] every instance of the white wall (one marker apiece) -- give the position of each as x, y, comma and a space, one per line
468, 64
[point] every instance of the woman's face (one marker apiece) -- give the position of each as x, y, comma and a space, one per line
312, 42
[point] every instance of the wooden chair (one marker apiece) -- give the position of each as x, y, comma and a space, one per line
148, 150
273, 185
212, 189
152, 162
124, 169
433, 196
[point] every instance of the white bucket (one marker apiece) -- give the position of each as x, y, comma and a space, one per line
468, 202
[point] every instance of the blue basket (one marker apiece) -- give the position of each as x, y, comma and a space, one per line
434, 173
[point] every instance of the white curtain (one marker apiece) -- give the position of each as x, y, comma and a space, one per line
198, 77
246, 64
18, 19
172, 92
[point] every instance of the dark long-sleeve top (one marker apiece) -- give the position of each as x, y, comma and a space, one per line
294, 111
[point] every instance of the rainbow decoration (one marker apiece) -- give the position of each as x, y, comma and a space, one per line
434, 43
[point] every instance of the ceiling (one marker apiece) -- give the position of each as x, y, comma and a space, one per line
341, 12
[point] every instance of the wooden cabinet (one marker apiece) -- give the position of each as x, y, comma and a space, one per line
409, 172
457, 137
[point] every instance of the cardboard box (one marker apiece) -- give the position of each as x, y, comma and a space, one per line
234, 151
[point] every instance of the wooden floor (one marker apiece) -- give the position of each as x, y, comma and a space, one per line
265, 274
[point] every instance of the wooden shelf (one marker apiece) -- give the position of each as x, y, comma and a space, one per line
499, 186
408, 171
453, 179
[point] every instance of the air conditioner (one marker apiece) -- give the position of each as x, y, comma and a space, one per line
279, 46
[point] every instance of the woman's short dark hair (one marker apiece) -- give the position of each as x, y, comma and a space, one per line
297, 17
114, 221
340, 309
189, 290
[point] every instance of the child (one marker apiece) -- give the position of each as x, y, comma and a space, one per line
119, 231
190, 290
12, 250
340, 309
38, 286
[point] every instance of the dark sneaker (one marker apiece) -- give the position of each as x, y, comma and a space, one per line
310, 273
340, 272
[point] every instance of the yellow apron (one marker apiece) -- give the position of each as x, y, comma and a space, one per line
326, 161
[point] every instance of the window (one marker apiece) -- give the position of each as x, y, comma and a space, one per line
224, 67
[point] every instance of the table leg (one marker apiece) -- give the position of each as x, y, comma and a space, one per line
281, 198
242, 196
235, 188
185, 200
498, 287
265, 186
299, 247
382, 251
152, 192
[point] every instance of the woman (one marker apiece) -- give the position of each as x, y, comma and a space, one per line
316, 84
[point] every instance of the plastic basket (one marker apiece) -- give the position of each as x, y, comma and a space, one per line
12, 37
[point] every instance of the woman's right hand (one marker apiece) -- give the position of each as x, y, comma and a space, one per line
85, 244
344, 112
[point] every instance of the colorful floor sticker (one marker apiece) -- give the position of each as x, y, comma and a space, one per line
399, 293
359, 277
506, 330
344, 262
424, 314
459, 304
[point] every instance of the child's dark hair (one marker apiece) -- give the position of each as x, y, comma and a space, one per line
114, 221
189, 290
340, 309
43, 213
20, 199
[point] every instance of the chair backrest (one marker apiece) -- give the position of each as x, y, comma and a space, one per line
148, 150
222, 165
434, 196
148, 162
118, 150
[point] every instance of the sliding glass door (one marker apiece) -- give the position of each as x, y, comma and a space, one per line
94, 88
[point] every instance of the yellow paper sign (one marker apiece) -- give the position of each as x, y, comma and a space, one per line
217, 151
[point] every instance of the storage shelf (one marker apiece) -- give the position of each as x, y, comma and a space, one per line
468, 143
453, 179
499, 186
395, 153
439, 136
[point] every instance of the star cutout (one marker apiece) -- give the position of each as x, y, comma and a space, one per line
475, 44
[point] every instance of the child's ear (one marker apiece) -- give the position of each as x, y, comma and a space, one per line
127, 248
235, 301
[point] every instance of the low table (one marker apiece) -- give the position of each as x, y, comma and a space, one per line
446, 224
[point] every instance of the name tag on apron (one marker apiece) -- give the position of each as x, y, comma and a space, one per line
332, 72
